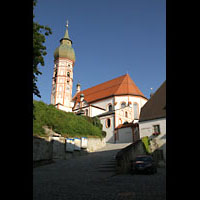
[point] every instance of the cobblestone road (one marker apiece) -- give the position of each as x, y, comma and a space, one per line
92, 177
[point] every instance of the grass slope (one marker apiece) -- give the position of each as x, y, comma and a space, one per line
66, 123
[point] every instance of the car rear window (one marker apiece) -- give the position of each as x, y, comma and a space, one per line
144, 159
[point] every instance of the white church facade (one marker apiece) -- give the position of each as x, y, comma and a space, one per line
114, 102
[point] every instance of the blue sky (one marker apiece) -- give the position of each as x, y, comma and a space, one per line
110, 38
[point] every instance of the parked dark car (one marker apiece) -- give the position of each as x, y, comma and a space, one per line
143, 164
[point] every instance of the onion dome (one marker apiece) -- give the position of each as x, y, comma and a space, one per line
65, 49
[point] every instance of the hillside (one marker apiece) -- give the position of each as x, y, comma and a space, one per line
66, 123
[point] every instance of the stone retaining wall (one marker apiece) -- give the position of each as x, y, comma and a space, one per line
127, 154
51, 148
95, 144
42, 149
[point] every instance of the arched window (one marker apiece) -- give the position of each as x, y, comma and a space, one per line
110, 108
108, 123
135, 110
123, 105
126, 114
68, 74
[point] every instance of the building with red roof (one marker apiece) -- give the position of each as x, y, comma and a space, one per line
115, 101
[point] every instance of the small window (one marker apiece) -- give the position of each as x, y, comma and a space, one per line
108, 123
156, 129
126, 114
68, 74
110, 108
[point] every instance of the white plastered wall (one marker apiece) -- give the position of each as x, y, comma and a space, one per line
146, 129
109, 130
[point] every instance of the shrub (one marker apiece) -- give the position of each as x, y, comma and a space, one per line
145, 141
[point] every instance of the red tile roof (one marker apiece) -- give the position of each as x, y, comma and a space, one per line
122, 85
126, 125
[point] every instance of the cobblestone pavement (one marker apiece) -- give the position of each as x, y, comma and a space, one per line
92, 177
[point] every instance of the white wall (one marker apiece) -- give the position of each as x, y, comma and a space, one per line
66, 109
95, 111
110, 130
120, 113
146, 129
103, 103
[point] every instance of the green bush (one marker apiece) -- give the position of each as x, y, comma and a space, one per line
65, 123
145, 141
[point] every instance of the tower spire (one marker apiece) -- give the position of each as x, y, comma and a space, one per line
66, 33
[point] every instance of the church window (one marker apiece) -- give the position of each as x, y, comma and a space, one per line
108, 123
123, 105
135, 110
110, 108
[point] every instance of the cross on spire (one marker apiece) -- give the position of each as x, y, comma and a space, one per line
67, 24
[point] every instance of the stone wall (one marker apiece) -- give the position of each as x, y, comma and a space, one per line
42, 149
58, 147
52, 148
95, 144
127, 154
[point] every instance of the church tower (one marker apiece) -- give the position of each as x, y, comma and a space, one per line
62, 83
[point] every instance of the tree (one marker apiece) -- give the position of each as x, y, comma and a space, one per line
39, 50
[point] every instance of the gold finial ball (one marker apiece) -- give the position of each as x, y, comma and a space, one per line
67, 23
